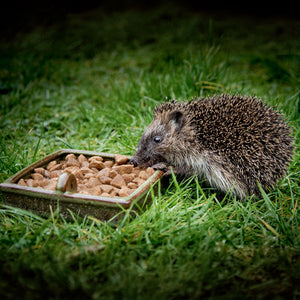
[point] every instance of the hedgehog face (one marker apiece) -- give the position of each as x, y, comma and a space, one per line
157, 142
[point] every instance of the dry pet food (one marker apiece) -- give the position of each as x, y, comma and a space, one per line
90, 175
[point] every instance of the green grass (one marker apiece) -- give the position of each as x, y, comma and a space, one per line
89, 81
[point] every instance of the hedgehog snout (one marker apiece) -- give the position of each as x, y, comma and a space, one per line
133, 162
138, 159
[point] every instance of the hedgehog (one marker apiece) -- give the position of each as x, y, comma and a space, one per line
235, 143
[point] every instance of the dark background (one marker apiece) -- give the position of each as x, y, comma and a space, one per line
16, 15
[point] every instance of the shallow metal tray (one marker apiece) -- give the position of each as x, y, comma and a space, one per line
42, 201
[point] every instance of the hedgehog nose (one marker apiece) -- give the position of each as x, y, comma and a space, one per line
133, 162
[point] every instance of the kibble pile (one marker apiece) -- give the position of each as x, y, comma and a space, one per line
94, 175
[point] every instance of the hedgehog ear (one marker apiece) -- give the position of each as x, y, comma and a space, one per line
177, 118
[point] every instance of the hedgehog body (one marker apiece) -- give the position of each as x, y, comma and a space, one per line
233, 142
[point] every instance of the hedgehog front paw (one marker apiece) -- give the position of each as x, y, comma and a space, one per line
168, 172
161, 166
167, 169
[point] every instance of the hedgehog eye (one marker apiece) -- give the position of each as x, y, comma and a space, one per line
157, 139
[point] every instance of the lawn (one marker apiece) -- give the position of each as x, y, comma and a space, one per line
89, 79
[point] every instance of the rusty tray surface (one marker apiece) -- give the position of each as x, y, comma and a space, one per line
43, 201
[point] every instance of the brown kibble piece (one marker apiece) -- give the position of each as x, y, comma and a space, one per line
45, 182
132, 185
128, 177
55, 174
81, 158
113, 173
51, 164
125, 169
71, 169
51, 186
72, 162
97, 164
103, 176
136, 170
114, 192
109, 163
93, 181
116, 169
98, 158
56, 167
78, 174
40, 171
120, 159
96, 190
22, 182
86, 170
150, 171
106, 188
37, 176
105, 180
29, 182
143, 175
81, 187
36, 183
118, 181
138, 181
124, 192
70, 156
104, 172
89, 175
85, 164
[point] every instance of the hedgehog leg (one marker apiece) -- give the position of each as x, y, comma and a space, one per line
169, 169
